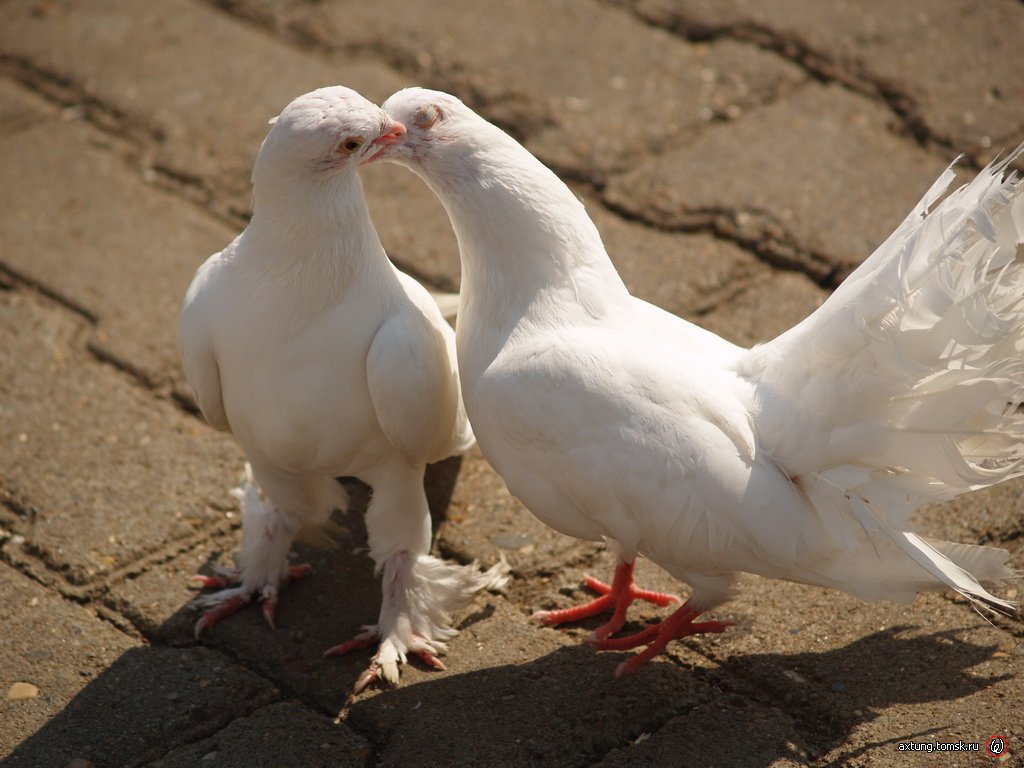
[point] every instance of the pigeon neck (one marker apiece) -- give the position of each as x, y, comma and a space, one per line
528, 247
315, 233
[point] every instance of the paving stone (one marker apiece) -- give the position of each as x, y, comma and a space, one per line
768, 305
730, 732
561, 708
821, 174
57, 646
267, 739
178, 93
18, 110
116, 704
126, 261
954, 66
96, 472
687, 274
585, 110
207, 119
817, 654
157, 601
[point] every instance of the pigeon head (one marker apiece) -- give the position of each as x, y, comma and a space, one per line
441, 129
323, 133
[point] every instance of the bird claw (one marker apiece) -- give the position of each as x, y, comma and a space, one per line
617, 597
232, 577
223, 578
212, 616
269, 611
657, 636
430, 660
372, 673
299, 570
577, 612
357, 643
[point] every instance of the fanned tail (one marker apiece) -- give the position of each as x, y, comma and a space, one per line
911, 376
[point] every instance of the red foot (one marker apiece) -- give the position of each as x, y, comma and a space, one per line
616, 597
219, 581
430, 660
373, 672
357, 643
228, 607
232, 578
657, 636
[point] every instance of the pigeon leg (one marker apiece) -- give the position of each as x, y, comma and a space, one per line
657, 636
616, 597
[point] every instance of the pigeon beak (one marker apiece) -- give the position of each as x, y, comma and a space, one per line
392, 135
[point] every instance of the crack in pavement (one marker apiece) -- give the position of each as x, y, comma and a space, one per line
817, 64
62, 90
755, 231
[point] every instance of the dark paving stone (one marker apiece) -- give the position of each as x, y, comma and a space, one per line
281, 735
102, 697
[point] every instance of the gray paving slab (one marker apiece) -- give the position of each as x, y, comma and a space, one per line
823, 180
267, 739
95, 473
838, 664
950, 68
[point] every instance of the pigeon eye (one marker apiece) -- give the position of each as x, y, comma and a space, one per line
349, 145
426, 116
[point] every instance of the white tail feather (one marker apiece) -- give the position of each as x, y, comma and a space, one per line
911, 377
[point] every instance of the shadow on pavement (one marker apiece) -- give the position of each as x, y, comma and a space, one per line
562, 708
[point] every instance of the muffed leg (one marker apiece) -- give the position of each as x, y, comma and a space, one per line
419, 592
268, 531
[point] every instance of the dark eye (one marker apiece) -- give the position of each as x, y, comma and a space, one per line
427, 115
349, 145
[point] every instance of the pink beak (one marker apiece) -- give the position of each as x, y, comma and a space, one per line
392, 136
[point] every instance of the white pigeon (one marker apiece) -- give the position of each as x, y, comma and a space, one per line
324, 360
799, 459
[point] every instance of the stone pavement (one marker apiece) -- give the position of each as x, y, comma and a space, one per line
739, 157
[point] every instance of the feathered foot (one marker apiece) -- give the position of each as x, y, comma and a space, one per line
419, 593
232, 597
657, 636
617, 598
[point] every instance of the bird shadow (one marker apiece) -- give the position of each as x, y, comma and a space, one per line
522, 704
566, 707
563, 707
